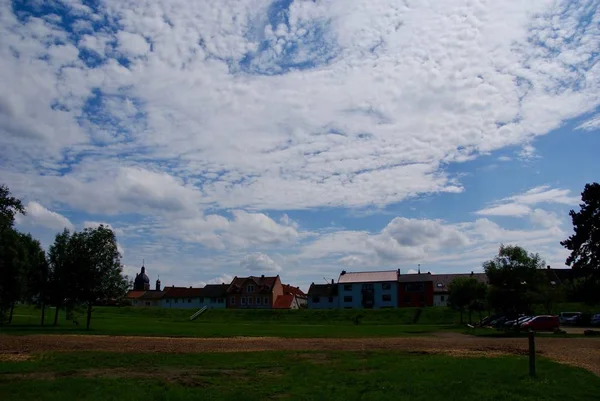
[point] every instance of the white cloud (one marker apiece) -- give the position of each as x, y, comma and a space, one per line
96, 224
260, 262
222, 279
591, 124
132, 44
543, 218
519, 205
38, 215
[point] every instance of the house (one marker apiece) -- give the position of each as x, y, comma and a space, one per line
372, 290
254, 292
441, 284
415, 290
142, 295
292, 298
211, 296
323, 296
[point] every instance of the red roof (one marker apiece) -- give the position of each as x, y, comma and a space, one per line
283, 301
183, 292
263, 284
288, 289
134, 294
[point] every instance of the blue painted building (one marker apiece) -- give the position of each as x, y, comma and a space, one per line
212, 296
368, 290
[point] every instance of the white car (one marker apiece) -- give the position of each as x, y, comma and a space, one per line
568, 317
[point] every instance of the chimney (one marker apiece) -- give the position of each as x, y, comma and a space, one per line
332, 282
471, 272
398, 271
343, 272
190, 286
548, 267
262, 276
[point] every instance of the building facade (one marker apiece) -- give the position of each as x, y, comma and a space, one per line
441, 285
254, 292
323, 296
415, 290
212, 296
368, 290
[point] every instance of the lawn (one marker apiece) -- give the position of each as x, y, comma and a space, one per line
288, 375
232, 323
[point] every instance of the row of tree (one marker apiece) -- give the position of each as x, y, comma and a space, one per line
518, 280
80, 269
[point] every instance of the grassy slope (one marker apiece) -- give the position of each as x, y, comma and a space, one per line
227, 323
283, 375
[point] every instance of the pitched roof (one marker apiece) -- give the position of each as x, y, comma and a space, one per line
368, 277
134, 294
414, 277
296, 291
323, 290
215, 290
283, 301
182, 292
442, 281
264, 284
152, 294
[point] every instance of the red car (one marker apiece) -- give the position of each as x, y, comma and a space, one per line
542, 323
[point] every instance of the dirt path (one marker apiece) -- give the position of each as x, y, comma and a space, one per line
582, 352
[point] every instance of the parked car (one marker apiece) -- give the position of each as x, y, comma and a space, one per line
518, 321
595, 320
542, 323
568, 317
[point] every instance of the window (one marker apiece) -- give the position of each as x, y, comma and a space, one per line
201, 299
243, 300
147, 303
414, 287
257, 300
266, 300
440, 285
189, 300
347, 298
386, 297
347, 287
386, 286
330, 299
442, 298
250, 300
232, 300
407, 299
316, 300
367, 286
250, 289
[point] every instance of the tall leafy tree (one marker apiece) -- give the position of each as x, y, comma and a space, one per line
62, 275
466, 293
584, 244
100, 273
514, 279
11, 253
34, 273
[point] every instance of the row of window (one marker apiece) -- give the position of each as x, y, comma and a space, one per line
348, 298
200, 300
384, 286
251, 301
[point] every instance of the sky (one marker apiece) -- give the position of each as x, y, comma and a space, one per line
301, 138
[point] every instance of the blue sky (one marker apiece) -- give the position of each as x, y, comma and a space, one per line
301, 138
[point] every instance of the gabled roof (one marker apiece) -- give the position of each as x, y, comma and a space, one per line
368, 277
151, 294
134, 294
283, 301
296, 291
182, 292
442, 281
323, 290
215, 290
414, 278
264, 285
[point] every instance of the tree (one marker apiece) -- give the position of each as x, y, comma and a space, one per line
549, 293
62, 275
466, 293
584, 244
100, 273
34, 273
514, 279
11, 253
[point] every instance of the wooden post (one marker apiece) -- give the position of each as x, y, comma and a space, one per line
531, 353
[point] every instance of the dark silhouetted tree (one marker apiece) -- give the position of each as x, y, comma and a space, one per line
466, 294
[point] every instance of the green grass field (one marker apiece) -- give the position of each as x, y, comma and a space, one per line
232, 323
288, 375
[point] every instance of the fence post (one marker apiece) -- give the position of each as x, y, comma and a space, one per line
531, 353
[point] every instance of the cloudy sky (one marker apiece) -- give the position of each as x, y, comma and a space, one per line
301, 137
